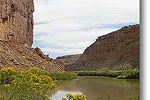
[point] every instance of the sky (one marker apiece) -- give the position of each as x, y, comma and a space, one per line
65, 27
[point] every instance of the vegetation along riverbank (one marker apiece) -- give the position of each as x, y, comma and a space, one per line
33, 84
119, 74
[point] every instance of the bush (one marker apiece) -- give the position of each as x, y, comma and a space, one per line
130, 74
99, 73
123, 74
6, 75
74, 97
62, 75
25, 85
29, 85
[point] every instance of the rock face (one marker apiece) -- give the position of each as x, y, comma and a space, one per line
16, 38
23, 57
118, 49
68, 60
16, 21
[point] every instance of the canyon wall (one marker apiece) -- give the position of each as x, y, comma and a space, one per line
16, 38
16, 21
67, 60
116, 50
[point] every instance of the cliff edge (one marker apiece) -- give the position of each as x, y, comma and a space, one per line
16, 38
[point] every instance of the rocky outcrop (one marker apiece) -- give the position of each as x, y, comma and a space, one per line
118, 49
16, 21
67, 60
22, 57
16, 38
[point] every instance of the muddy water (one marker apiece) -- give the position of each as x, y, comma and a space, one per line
97, 87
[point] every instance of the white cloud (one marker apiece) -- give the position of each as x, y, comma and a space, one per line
62, 51
77, 23
72, 39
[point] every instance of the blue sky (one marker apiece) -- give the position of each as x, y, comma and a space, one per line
64, 27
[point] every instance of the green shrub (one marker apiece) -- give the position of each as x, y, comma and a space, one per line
129, 74
122, 74
24, 85
61, 75
74, 97
99, 73
6, 75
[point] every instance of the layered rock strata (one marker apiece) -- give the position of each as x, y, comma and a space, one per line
118, 49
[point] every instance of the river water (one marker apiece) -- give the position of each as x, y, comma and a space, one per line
97, 87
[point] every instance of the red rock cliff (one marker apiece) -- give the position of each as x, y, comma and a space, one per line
118, 49
16, 38
16, 21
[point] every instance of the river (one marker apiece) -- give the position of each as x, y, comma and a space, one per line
97, 87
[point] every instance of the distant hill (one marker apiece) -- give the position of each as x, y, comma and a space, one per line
67, 60
116, 50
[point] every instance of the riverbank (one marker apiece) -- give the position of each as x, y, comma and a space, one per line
37, 83
119, 74
61, 75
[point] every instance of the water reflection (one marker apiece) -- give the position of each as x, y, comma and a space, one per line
95, 87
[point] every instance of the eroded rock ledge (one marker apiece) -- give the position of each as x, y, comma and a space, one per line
22, 57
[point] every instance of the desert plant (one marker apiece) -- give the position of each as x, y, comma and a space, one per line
74, 97
27, 85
